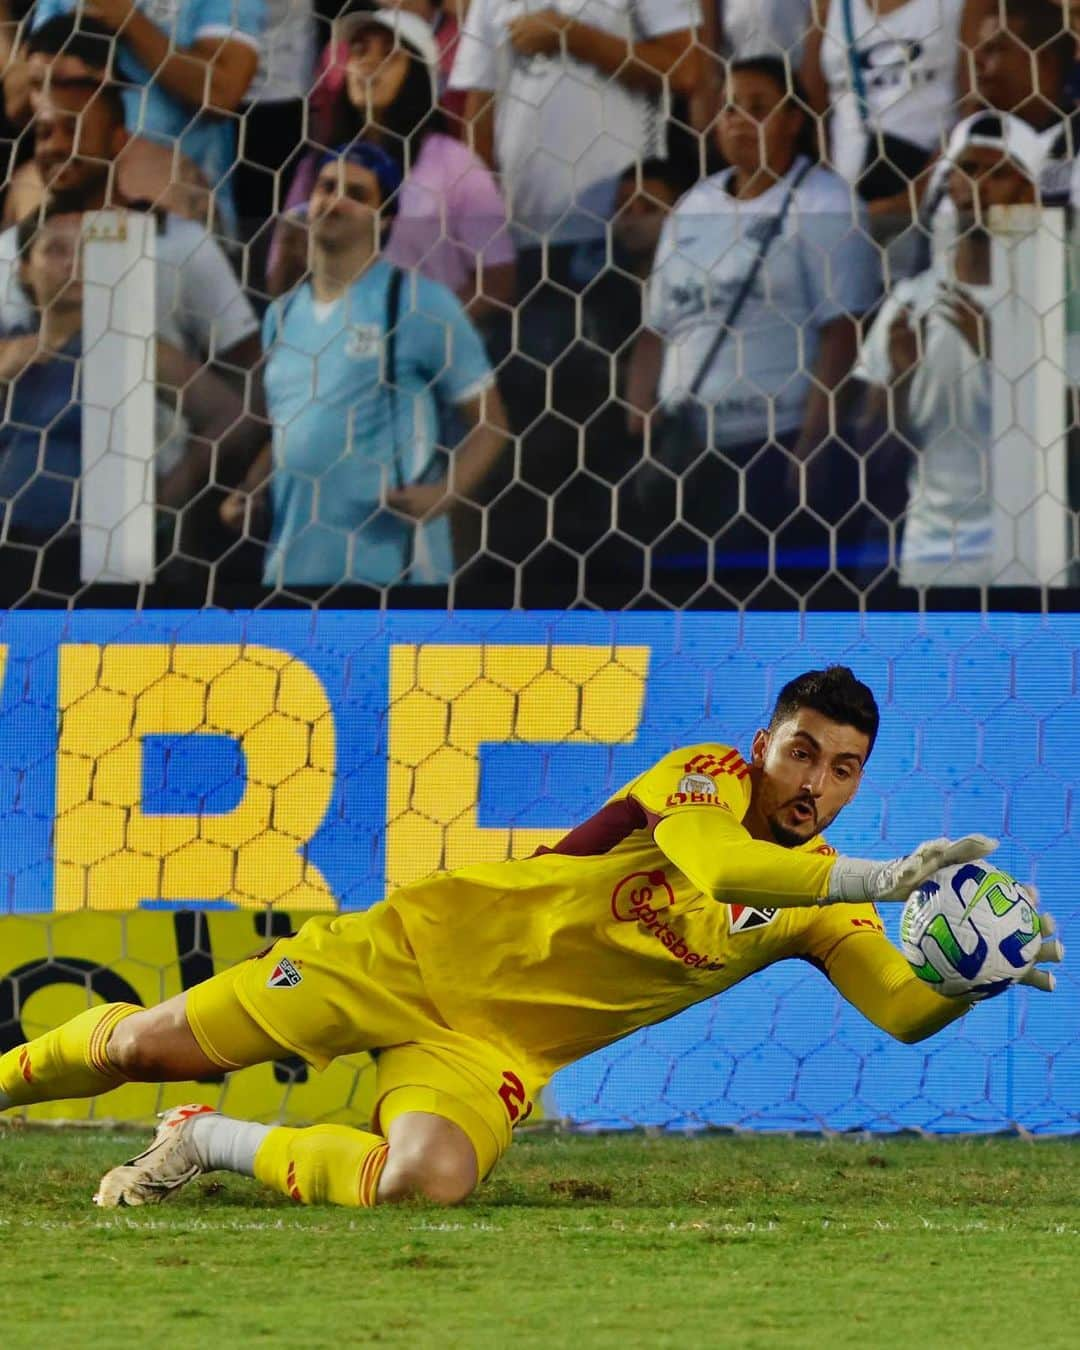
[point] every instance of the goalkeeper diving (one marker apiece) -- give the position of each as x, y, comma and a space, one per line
473, 987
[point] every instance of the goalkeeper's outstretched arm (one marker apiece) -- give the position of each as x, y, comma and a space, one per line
875, 978
720, 856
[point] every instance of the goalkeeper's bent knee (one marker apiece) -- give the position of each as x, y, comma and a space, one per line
70, 1061
323, 1164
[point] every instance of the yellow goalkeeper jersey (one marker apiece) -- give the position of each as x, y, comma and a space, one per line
555, 956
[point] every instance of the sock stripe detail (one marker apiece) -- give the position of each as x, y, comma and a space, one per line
97, 1052
370, 1173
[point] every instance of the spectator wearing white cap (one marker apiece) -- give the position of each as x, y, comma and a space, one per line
1022, 59
441, 17
927, 361
889, 74
451, 221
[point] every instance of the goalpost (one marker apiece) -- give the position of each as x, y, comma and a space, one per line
1028, 469
119, 368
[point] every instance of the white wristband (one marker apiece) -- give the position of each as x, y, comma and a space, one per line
855, 881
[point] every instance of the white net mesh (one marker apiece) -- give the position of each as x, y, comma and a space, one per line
514, 309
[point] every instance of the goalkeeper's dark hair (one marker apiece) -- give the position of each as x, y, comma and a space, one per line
836, 694
68, 35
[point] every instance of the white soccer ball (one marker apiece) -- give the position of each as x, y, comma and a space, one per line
970, 929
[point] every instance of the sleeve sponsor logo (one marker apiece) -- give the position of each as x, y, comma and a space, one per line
696, 799
697, 789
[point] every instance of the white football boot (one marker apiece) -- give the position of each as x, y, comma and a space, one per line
169, 1163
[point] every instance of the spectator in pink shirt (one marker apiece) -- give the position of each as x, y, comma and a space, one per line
451, 222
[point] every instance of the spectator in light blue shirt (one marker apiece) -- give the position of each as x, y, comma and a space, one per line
364, 362
189, 64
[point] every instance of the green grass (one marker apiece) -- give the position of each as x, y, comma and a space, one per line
602, 1242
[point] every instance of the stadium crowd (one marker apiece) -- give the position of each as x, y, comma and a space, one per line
672, 298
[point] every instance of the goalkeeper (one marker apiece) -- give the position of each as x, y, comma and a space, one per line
473, 987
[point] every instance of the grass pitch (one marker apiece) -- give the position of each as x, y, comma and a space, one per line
583, 1242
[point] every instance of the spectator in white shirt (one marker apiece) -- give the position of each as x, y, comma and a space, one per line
739, 29
759, 280
764, 28
927, 361
1022, 60
561, 99
890, 74
198, 418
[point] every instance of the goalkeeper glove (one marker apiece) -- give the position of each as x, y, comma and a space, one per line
1052, 949
859, 881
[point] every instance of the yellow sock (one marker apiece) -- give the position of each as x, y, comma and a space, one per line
70, 1061
324, 1164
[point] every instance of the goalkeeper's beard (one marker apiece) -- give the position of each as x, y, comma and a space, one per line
789, 838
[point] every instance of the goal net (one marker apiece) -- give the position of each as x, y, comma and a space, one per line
316, 582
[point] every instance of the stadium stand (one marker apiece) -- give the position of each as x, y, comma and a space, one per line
708, 446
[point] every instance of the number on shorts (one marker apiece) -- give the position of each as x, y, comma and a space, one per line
512, 1092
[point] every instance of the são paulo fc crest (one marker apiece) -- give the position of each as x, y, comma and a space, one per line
744, 917
284, 975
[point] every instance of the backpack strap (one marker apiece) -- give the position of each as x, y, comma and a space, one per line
392, 322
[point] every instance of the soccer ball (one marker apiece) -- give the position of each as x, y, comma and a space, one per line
970, 929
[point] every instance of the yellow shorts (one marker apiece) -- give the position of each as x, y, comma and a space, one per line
350, 983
